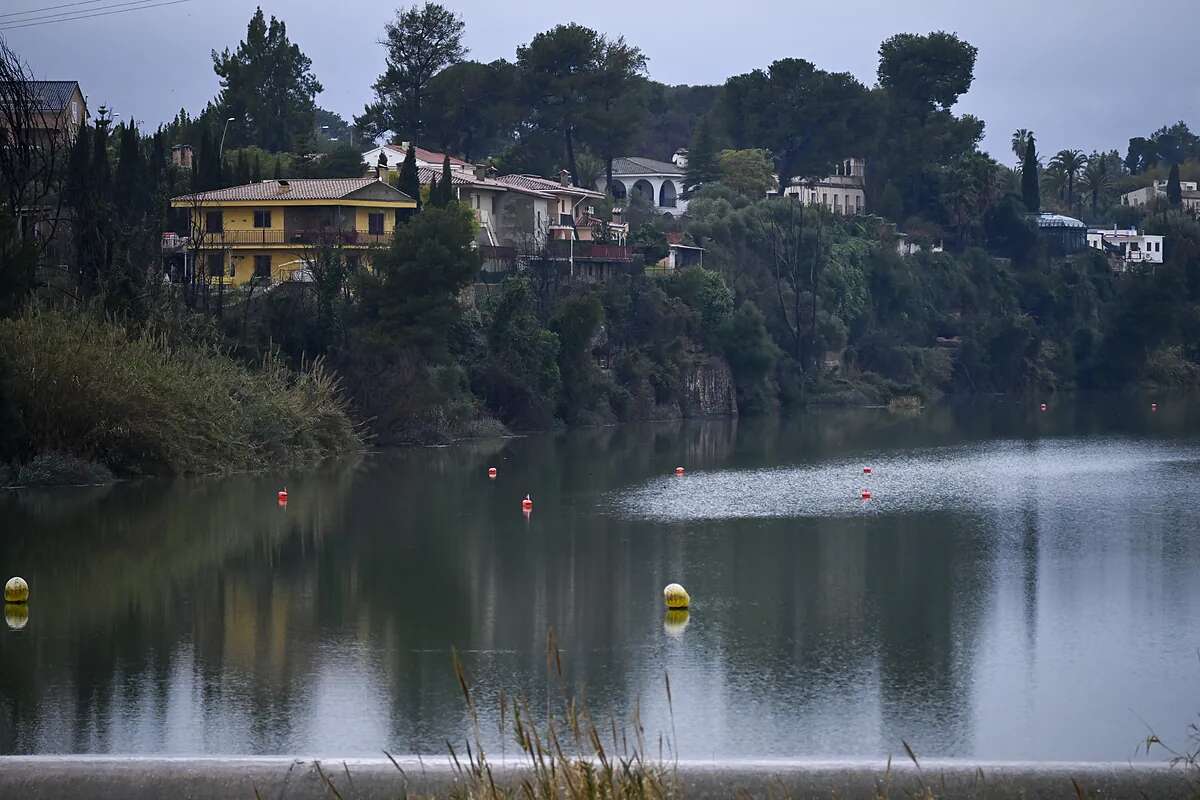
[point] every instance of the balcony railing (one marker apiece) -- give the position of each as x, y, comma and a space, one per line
588, 251
269, 236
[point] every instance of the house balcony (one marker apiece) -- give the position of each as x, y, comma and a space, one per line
557, 250
282, 237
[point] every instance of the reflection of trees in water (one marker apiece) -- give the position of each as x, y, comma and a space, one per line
125, 579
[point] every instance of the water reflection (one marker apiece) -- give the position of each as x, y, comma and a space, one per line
1018, 588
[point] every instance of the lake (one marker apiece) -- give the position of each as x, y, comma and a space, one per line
1021, 585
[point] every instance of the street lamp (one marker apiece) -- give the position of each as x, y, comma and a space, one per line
221, 149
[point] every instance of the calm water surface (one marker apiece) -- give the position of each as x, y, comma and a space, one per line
1022, 585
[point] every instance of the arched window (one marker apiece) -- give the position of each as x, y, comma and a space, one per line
617, 189
644, 190
667, 195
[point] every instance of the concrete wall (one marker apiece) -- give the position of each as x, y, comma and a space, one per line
283, 778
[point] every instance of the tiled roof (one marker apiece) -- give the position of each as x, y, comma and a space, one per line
53, 95
294, 189
539, 184
458, 178
636, 165
398, 152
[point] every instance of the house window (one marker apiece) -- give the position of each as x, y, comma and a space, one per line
262, 219
375, 224
75, 111
837, 203
215, 267
262, 265
214, 222
825, 199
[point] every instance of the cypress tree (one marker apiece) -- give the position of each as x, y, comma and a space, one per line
447, 183
1174, 191
435, 194
278, 169
702, 166
256, 170
1030, 190
410, 182
242, 171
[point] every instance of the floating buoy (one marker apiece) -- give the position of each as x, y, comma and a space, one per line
676, 597
283, 495
865, 494
16, 591
16, 615
492, 472
866, 470
679, 470
675, 622
1154, 406
1044, 406
527, 503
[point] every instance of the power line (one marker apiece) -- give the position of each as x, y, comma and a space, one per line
27, 24
62, 16
49, 8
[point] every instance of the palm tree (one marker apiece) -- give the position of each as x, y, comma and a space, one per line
1070, 163
1053, 181
1098, 177
1020, 139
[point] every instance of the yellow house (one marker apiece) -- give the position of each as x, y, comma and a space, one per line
269, 230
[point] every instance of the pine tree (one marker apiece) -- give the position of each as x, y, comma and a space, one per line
1030, 190
703, 166
1174, 191
410, 182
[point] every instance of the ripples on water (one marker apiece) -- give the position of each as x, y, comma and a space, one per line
988, 476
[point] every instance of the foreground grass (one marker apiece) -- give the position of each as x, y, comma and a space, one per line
79, 384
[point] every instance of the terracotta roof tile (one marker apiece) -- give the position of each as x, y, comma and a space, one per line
293, 189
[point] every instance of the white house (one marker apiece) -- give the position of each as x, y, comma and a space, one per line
841, 193
1127, 245
1190, 191
659, 183
394, 154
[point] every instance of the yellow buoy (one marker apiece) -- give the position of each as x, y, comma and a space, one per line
16, 615
675, 621
16, 591
676, 596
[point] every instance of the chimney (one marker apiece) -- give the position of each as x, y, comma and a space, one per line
618, 215
481, 171
564, 178
378, 168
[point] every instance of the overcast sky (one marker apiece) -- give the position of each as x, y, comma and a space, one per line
1081, 73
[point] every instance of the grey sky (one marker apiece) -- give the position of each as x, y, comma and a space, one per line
1081, 74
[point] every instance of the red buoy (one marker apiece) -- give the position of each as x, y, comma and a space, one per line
282, 498
866, 494
866, 470
679, 470
527, 503
492, 472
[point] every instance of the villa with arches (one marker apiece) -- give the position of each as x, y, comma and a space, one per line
660, 183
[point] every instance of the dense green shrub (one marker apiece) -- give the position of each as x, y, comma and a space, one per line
83, 385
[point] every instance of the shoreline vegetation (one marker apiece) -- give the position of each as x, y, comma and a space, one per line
941, 284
